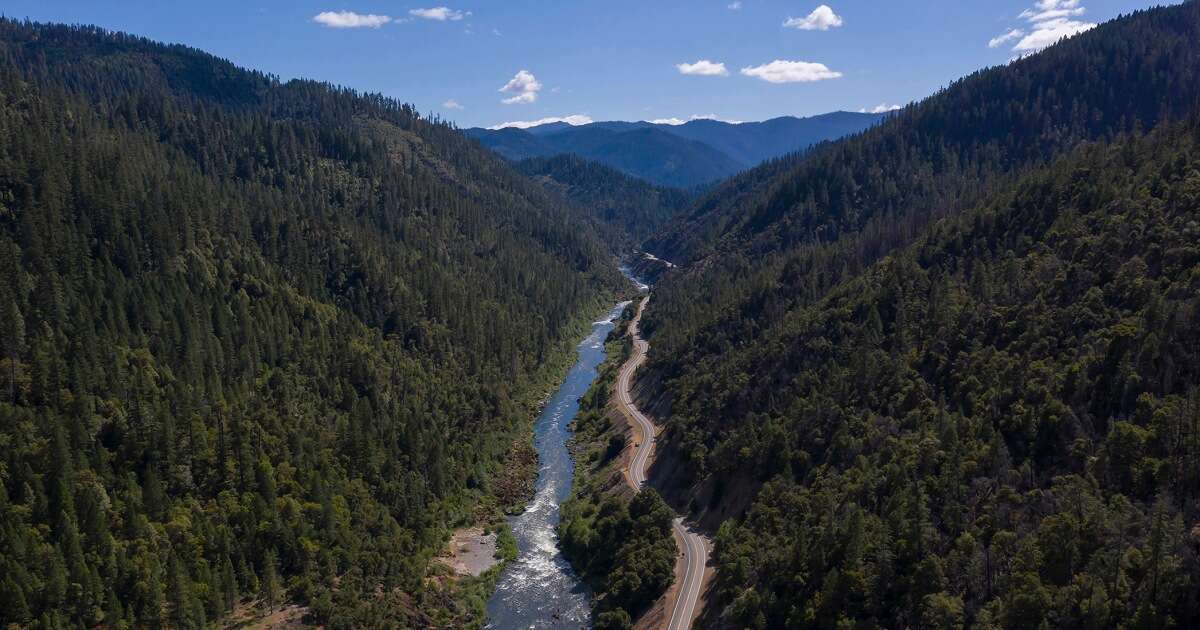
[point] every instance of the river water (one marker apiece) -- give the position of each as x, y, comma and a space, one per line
539, 589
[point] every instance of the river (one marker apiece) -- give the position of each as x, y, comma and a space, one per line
540, 589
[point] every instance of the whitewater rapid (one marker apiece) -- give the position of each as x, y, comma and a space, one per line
539, 589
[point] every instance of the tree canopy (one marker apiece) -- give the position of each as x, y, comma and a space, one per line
260, 339
945, 372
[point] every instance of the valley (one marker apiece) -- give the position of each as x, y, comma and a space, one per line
539, 589
287, 352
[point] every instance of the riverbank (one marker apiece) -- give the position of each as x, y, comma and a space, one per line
540, 589
618, 540
451, 598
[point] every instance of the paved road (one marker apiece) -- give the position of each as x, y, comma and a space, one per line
695, 550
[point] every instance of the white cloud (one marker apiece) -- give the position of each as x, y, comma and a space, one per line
522, 81
573, 119
439, 14
452, 104
1000, 40
1052, 9
1049, 21
715, 117
523, 87
881, 108
735, 5
703, 67
679, 121
1049, 32
350, 19
821, 19
524, 98
780, 71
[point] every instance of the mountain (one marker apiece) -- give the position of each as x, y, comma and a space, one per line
998, 425
943, 372
625, 210
943, 154
752, 143
682, 156
262, 341
648, 153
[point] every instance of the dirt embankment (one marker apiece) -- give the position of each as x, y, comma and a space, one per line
705, 503
514, 483
250, 615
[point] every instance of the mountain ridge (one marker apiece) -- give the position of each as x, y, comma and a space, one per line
262, 341
687, 155
908, 373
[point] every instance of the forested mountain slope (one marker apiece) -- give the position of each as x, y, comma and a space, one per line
625, 210
999, 424
928, 339
776, 238
943, 153
259, 339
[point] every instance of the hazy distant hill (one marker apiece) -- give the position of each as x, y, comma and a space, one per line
755, 142
695, 153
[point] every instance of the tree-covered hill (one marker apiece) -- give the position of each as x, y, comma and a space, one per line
260, 339
998, 425
945, 370
625, 210
778, 237
944, 153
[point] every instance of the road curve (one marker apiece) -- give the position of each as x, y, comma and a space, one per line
695, 550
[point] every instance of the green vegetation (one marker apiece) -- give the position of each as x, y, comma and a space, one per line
261, 341
513, 485
266, 343
945, 373
506, 544
626, 211
623, 548
621, 545
867, 194
998, 425
446, 600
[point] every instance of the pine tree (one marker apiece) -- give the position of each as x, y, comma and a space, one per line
13, 334
270, 591
13, 606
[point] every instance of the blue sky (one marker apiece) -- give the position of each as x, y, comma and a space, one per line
611, 59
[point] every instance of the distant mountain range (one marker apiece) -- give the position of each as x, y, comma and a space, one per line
687, 155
